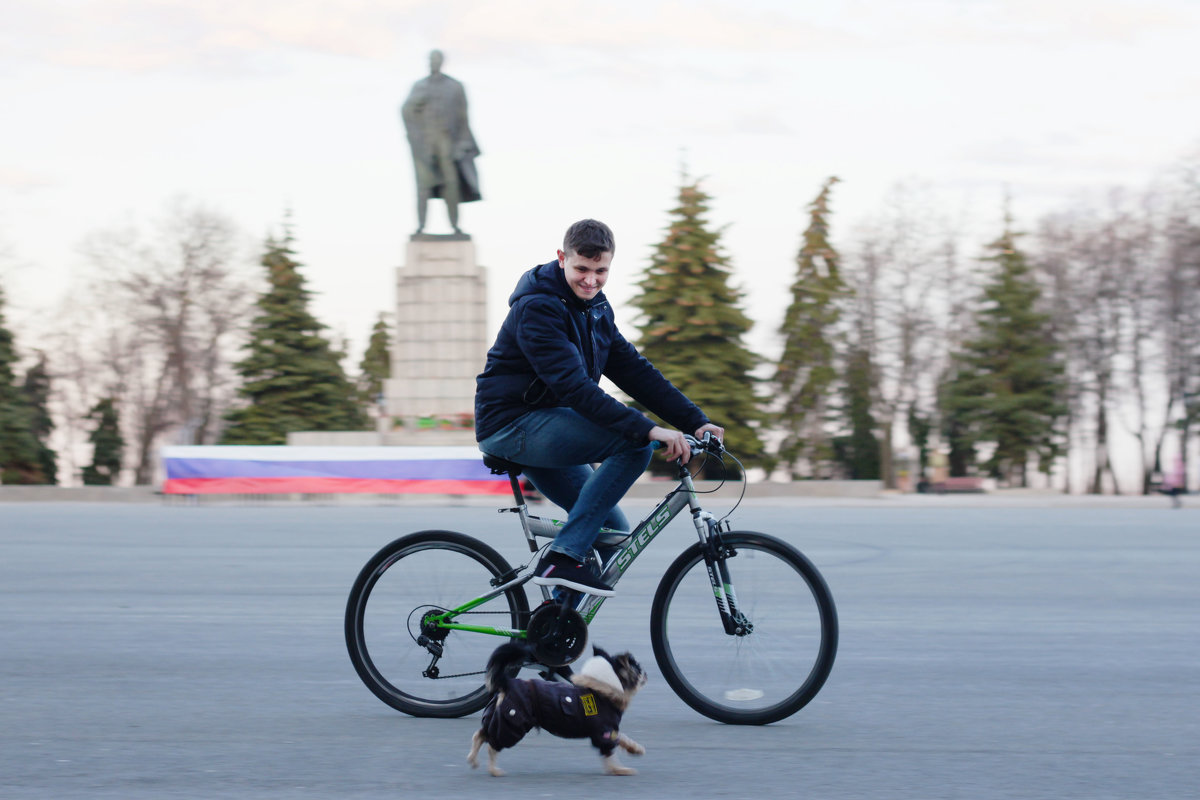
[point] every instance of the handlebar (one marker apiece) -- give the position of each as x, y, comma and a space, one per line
707, 444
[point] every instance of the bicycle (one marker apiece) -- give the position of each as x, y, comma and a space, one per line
418, 638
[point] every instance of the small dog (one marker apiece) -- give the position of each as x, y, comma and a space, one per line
590, 706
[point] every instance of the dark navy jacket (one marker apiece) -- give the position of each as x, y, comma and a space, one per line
552, 350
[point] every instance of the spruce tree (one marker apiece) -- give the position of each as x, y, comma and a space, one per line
376, 364
1009, 386
691, 327
37, 396
920, 429
108, 446
292, 376
858, 452
806, 370
957, 397
19, 462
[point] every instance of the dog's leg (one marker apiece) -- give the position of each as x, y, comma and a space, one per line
494, 770
476, 743
629, 745
614, 767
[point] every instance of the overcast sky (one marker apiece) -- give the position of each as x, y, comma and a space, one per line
253, 107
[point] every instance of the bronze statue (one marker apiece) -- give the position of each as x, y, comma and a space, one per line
443, 149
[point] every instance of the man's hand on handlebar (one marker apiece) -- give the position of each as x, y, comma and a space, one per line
677, 445
674, 444
716, 430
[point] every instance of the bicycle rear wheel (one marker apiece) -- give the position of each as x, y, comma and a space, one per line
781, 659
426, 572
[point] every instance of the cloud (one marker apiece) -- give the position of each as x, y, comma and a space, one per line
1082, 153
1110, 20
753, 122
143, 35
147, 35
1059, 23
698, 26
22, 181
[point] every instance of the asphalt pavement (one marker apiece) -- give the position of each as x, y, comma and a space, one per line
163, 651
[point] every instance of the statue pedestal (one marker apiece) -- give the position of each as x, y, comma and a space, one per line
441, 336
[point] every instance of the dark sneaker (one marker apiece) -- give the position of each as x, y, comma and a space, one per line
556, 569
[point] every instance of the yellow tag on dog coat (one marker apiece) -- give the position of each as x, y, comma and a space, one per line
589, 705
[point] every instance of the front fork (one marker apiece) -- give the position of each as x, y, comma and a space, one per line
716, 559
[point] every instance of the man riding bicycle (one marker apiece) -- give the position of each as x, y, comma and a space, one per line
538, 401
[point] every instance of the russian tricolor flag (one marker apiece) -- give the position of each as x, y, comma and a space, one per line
244, 469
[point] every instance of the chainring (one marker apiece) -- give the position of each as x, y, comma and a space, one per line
558, 635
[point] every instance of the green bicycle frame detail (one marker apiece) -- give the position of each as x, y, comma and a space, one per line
445, 620
632, 544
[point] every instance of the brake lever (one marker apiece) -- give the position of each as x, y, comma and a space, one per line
711, 444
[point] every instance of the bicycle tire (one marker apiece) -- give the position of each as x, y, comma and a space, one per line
763, 676
406, 578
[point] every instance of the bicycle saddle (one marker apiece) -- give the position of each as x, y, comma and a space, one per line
500, 466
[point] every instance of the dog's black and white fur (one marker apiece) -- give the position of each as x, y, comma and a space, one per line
590, 706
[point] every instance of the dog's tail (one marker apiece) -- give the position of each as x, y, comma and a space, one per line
504, 663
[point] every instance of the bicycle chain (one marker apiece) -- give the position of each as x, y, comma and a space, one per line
468, 674
458, 675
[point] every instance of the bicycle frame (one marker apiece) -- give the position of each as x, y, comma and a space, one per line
633, 544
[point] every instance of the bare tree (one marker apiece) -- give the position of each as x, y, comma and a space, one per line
79, 378
1181, 308
1124, 305
1055, 263
899, 276
175, 300
1140, 249
1082, 267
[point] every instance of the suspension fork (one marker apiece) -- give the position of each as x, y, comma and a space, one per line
716, 555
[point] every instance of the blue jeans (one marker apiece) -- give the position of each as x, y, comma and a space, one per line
557, 447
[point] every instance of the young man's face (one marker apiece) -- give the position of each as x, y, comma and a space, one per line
585, 276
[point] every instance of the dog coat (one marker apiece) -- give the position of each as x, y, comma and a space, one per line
590, 707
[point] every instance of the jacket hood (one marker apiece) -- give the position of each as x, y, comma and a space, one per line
549, 279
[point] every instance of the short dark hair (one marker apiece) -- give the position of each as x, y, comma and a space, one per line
589, 238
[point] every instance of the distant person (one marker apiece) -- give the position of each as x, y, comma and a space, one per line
538, 401
443, 149
1175, 485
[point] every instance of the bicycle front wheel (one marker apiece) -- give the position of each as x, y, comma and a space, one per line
414, 576
780, 656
